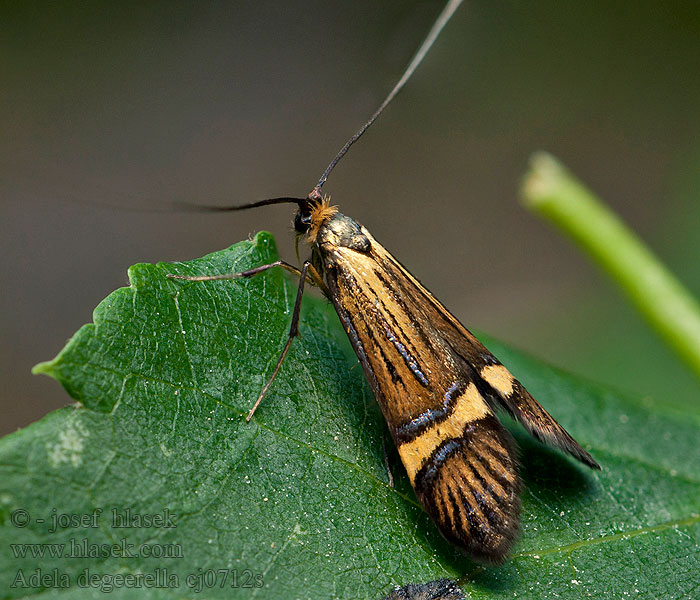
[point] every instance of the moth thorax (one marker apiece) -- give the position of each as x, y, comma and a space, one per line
342, 231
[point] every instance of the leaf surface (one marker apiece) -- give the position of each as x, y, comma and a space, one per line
297, 501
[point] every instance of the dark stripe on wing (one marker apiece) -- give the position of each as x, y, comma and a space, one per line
412, 429
408, 358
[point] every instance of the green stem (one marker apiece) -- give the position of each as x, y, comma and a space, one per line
551, 191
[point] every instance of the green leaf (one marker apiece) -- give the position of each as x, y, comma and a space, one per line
298, 499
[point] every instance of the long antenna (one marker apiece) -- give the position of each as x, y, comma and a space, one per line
433, 34
186, 206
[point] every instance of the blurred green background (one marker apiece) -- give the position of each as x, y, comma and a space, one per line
110, 111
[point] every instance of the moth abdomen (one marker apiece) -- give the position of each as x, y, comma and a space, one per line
470, 487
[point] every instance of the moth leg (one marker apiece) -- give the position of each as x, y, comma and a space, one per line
314, 277
293, 332
307, 272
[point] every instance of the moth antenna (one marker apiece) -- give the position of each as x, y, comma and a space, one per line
186, 206
433, 34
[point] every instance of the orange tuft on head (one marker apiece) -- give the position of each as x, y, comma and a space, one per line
321, 213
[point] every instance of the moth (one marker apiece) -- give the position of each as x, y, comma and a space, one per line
437, 386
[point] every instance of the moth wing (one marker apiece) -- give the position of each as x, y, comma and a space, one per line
437, 387
459, 458
496, 383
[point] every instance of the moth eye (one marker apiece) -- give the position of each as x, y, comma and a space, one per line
302, 222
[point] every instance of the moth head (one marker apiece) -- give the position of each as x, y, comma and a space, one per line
314, 212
